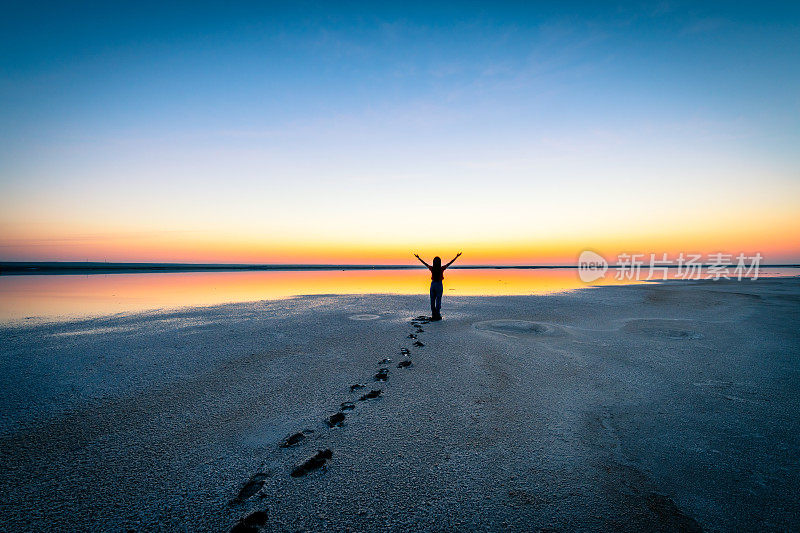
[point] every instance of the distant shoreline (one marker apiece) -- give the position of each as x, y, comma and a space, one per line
110, 268
35, 267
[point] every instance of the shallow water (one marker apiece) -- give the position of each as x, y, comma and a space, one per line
65, 297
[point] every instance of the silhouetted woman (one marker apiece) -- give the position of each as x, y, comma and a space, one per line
437, 275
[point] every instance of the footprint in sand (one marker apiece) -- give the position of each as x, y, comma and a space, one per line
356, 386
418, 344
315, 462
251, 488
404, 364
412, 336
385, 362
336, 419
295, 438
382, 375
347, 406
371, 395
419, 323
251, 523
404, 351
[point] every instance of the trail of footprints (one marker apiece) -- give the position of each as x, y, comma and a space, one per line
254, 521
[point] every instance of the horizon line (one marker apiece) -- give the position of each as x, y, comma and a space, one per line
98, 267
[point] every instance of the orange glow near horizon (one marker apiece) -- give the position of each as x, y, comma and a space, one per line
783, 248
543, 238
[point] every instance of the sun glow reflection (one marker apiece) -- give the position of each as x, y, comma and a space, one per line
78, 296
91, 295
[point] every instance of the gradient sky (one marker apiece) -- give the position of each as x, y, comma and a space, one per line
301, 132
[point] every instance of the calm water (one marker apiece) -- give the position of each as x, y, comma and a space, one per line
61, 297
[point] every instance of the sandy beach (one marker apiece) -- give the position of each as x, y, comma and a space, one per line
668, 407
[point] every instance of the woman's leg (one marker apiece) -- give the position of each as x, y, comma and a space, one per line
436, 298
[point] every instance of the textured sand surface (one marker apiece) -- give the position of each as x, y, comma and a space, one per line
664, 407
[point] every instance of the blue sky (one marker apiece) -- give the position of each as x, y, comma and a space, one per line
298, 122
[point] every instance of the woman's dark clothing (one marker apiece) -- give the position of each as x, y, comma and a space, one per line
437, 274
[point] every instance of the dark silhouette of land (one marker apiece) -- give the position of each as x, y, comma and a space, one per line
99, 267
68, 267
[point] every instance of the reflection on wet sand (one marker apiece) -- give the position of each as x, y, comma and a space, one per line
73, 296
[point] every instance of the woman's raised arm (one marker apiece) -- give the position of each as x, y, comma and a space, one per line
423, 262
453, 260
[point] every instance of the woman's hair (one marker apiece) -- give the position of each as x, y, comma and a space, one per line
437, 262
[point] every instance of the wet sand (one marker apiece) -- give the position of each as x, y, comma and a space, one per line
662, 407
